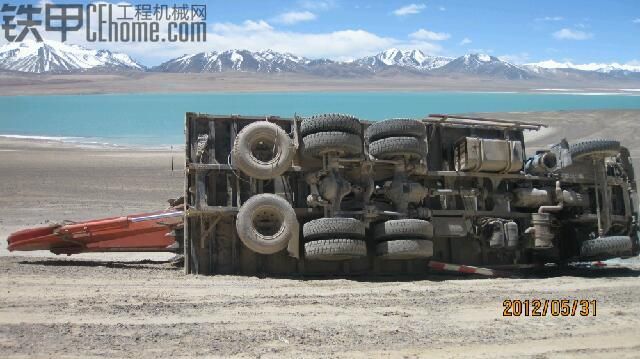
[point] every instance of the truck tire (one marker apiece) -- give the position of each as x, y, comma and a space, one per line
265, 223
393, 147
594, 148
262, 150
335, 249
606, 246
323, 228
627, 166
396, 127
403, 228
405, 249
340, 143
330, 122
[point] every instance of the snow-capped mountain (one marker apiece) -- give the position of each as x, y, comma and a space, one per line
485, 65
57, 57
411, 59
54, 56
603, 68
267, 61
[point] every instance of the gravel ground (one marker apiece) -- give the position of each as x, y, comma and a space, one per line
72, 308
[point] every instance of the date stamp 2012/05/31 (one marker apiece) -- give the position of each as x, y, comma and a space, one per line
552, 307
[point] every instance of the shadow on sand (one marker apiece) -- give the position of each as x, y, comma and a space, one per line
141, 264
176, 264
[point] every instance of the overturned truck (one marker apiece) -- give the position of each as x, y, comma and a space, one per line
331, 194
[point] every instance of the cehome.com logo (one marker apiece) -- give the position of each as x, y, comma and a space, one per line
107, 22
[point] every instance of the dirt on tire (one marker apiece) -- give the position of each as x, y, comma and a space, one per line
333, 228
345, 144
392, 147
336, 249
394, 128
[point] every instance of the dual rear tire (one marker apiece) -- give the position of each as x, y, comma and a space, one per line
335, 134
334, 239
403, 239
397, 138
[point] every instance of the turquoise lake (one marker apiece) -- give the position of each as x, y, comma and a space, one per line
157, 119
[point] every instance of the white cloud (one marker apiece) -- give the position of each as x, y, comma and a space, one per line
569, 34
427, 35
254, 35
258, 35
410, 9
345, 44
465, 41
520, 58
247, 26
148, 53
294, 17
480, 51
550, 18
316, 5
426, 47
636, 21
442, 8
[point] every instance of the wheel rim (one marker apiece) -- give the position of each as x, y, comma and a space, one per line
268, 222
264, 149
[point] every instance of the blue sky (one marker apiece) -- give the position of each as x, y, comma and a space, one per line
520, 31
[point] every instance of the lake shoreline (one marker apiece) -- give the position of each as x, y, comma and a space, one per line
157, 121
15, 84
579, 92
572, 124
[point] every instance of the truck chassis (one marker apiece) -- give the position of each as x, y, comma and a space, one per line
333, 195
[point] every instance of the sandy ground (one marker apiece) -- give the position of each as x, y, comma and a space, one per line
53, 308
99, 305
58, 84
48, 181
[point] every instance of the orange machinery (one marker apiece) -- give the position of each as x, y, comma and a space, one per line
145, 232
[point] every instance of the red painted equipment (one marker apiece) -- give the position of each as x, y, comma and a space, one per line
146, 232
448, 267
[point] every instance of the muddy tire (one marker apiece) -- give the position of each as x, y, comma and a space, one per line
262, 150
606, 247
330, 122
594, 149
340, 143
323, 228
335, 249
405, 249
266, 222
402, 229
395, 128
394, 147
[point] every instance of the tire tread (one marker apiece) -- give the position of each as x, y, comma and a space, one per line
330, 122
335, 249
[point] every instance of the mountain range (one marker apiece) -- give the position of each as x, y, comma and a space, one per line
54, 57
57, 57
